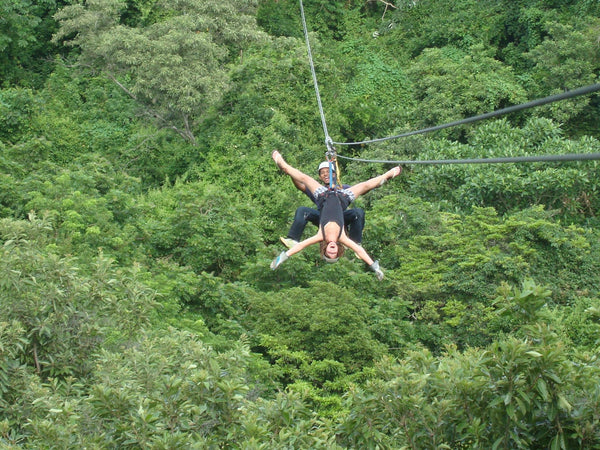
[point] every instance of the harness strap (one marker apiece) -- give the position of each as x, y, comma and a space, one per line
334, 179
331, 176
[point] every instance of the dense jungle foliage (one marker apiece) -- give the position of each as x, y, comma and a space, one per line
140, 210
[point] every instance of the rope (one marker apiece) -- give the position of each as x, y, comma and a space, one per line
331, 175
512, 159
542, 101
328, 140
334, 170
338, 175
332, 156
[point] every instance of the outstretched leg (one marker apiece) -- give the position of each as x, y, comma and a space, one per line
297, 176
366, 186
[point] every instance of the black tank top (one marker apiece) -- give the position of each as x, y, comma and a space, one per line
331, 210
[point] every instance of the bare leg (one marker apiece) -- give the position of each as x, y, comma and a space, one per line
366, 186
298, 177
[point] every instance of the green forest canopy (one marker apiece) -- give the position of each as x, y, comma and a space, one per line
139, 211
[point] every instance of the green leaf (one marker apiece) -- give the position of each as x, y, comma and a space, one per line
564, 404
542, 389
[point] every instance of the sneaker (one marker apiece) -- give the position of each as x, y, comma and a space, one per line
288, 242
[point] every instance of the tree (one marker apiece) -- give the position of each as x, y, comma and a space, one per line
568, 58
515, 393
64, 312
327, 324
200, 226
24, 29
452, 84
568, 187
176, 67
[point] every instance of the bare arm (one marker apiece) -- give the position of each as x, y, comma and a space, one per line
295, 249
305, 243
373, 265
358, 249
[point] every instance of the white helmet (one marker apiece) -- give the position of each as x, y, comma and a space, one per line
325, 165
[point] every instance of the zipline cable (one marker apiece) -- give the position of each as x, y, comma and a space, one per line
332, 155
542, 101
328, 141
509, 159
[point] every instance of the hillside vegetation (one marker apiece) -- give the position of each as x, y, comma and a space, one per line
140, 210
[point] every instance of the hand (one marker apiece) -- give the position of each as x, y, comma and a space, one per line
280, 259
378, 272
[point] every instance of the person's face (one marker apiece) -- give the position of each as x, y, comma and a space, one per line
331, 251
324, 175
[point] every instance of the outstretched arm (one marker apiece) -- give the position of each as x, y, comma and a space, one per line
296, 249
366, 186
305, 243
361, 252
358, 249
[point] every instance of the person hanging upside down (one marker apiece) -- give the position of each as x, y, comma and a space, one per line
354, 218
331, 204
